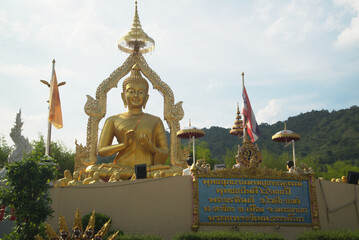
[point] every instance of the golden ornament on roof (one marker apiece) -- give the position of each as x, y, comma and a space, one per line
237, 129
136, 40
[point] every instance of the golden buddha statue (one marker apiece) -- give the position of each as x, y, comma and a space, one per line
141, 136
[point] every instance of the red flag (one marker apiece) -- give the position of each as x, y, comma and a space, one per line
252, 126
55, 114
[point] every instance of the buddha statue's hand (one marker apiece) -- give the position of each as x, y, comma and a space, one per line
130, 136
146, 142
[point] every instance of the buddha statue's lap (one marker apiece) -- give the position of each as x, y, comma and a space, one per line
141, 137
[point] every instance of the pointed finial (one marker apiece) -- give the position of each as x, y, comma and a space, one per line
136, 40
91, 224
189, 122
51, 234
285, 126
113, 236
62, 224
103, 230
77, 220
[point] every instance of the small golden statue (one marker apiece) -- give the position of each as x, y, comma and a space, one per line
96, 178
75, 181
141, 137
62, 182
115, 177
89, 178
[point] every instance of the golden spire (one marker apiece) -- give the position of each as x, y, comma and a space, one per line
237, 129
77, 220
50, 232
103, 230
136, 40
91, 224
62, 224
113, 236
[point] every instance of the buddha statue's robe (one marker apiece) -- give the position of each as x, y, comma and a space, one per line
117, 126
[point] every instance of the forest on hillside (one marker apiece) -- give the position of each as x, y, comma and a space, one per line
329, 144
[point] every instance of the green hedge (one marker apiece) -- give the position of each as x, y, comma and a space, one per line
329, 235
137, 237
227, 236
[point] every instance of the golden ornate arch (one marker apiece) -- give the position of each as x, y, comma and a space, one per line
96, 110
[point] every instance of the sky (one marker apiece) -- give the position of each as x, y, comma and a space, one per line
297, 56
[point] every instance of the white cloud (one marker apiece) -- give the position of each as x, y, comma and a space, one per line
74, 24
279, 109
32, 72
349, 37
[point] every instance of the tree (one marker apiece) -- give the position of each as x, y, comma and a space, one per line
230, 157
26, 192
203, 152
63, 156
5, 150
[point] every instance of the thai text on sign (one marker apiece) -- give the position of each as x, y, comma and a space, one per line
248, 201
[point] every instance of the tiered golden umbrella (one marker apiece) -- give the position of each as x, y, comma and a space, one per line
136, 40
191, 132
237, 129
288, 137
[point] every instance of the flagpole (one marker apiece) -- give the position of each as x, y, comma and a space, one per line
293, 153
48, 141
244, 118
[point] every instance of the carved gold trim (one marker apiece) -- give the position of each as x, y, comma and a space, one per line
96, 110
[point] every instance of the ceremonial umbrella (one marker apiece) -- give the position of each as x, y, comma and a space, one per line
191, 132
288, 137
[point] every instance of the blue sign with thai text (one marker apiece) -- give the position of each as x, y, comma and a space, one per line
251, 201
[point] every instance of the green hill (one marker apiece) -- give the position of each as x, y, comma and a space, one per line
327, 138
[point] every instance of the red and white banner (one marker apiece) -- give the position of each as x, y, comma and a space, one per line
252, 126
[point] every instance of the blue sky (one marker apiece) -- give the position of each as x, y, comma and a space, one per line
297, 56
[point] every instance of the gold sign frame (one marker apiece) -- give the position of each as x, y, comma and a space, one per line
254, 172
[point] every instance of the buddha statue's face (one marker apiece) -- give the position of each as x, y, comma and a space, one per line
135, 95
